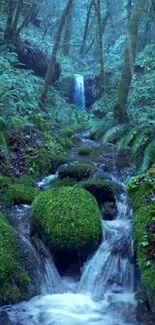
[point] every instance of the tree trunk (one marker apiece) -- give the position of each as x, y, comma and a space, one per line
50, 69
67, 35
86, 29
8, 28
100, 41
120, 112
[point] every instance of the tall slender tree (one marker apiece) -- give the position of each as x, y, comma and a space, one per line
50, 69
120, 111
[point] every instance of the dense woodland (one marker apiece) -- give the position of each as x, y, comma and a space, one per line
43, 44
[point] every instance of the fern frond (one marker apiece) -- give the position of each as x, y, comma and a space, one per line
114, 133
148, 156
127, 139
139, 141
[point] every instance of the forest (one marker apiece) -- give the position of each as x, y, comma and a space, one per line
77, 162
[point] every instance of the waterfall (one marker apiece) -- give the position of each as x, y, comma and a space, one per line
105, 293
79, 91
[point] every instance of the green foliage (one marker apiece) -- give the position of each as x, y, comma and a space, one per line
104, 191
18, 194
114, 133
14, 283
77, 171
85, 151
70, 218
141, 138
63, 182
142, 196
67, 133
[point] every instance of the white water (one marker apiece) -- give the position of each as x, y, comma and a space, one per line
105, 293
79, 91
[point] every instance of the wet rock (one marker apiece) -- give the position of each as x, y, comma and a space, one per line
109, 210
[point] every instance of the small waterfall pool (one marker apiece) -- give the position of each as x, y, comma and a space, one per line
105, 293
79, 91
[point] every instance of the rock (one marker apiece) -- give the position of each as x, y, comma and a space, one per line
69, 220
109, 210
77, 171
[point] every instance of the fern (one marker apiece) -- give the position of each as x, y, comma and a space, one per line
140, 140
114, 133
148, 156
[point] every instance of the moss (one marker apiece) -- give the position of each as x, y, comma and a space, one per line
67, 133
70, 218
63, 182
103, 191
27, 180
5, 181
66, 142
77, 171
14, 282
43, 162
143, 217
18, 194
138, 188
84, 151
142, 196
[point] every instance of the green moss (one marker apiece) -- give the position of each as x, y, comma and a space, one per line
84, 151
66, 142
67, 133
18, 194
27, 180
70, 218
142, 196
104, 191
14, 282
5, 181
43, 162
77, 171
139, 188
144, 216
63, 182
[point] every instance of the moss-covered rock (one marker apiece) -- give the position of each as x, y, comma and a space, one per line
63, 182
142, 197
104, 191
77, 171
68, 132
18, 194
14, 282
43, 162
85, 151
70, 219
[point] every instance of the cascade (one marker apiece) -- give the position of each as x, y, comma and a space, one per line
79, 91
105, 293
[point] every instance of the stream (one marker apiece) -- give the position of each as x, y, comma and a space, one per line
105, 293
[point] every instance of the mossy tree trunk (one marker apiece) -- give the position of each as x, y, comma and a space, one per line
86, 28
67, 35
97, 4
50, 69
120, 111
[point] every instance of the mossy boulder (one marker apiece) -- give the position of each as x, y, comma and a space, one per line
142, 197
63, 182
77, 171
18, 194
43, 162
14, 282
69, 218
85, 151
68, 132
104, 191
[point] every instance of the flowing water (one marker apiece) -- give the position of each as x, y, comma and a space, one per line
105, 293
79, 91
